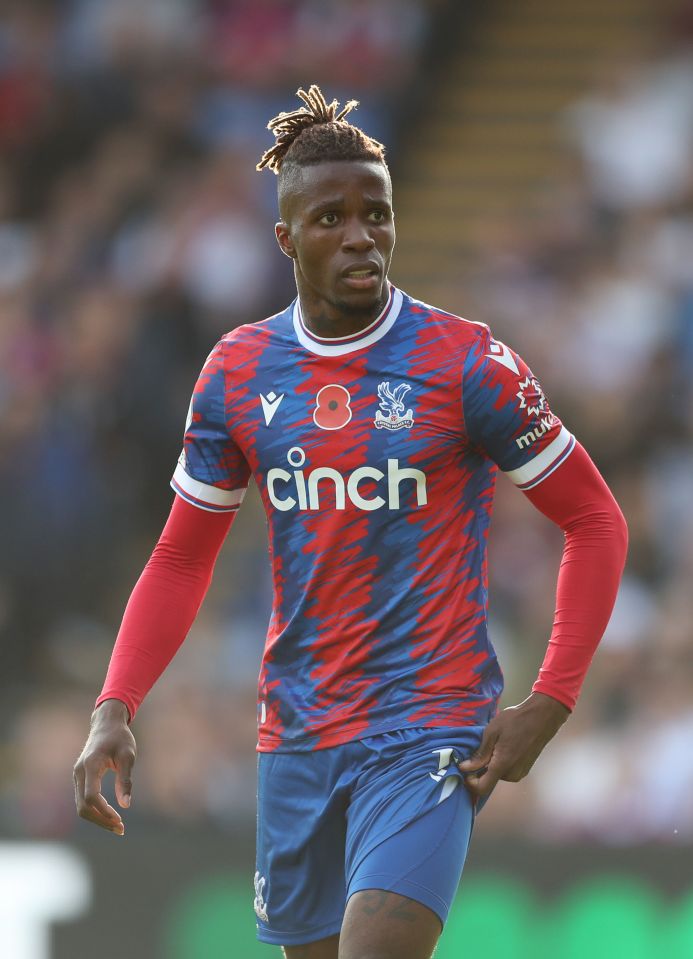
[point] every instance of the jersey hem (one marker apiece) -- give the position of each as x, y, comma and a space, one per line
341, 739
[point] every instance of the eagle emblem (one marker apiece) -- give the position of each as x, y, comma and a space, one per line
392, 413
260, 906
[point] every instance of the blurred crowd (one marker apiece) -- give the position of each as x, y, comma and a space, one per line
134, 231
596, 284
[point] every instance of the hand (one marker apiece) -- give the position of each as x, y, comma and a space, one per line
110, 745
512, 743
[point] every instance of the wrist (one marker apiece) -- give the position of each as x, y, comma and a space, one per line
547, 704
111, 710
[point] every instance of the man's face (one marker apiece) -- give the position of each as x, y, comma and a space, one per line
337, 225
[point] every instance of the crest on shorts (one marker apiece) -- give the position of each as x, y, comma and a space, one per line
259, 905
392, 414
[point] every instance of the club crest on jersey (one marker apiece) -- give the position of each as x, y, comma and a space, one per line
392, 414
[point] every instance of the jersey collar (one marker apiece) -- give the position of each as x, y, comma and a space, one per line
340, 345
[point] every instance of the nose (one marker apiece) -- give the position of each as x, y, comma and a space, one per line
357, 236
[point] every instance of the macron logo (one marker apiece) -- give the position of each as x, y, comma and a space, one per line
270, 405
501, 354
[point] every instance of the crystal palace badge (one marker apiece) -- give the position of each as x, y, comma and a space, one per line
392, 414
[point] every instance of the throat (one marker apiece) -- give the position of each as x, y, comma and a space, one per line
330, 327
343, 320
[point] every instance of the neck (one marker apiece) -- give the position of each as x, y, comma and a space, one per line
332, 321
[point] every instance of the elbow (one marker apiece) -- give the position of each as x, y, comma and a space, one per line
602, 525
621, 533
617, 529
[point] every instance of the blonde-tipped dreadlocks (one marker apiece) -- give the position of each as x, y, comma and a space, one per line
316, 133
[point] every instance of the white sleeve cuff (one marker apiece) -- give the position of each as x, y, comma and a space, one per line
532, 473
205, 496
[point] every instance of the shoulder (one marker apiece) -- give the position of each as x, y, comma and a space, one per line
453, 331
252, 339
259, 331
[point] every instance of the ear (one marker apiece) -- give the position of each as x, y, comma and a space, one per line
283, 235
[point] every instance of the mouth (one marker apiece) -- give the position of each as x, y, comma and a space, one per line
361, 277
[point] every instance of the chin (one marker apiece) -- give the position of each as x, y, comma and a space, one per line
364, 301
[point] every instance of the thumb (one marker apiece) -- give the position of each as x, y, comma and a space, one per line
123, 783
481, 757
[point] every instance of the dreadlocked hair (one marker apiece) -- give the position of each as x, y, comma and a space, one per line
317, 133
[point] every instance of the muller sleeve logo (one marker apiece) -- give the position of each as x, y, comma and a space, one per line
392, 414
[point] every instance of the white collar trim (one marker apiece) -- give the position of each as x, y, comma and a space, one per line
339, 346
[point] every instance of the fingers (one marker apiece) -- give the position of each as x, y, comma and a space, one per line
480, 770
483, 781
482, 756
110, 745
99, 811
91, 805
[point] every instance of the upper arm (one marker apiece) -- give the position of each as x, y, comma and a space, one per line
508, 416
212, 472
576, 494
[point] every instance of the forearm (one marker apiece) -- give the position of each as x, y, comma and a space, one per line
164, 602
579, 501
158, 617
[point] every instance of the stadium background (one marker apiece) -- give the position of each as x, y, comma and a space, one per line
542, 155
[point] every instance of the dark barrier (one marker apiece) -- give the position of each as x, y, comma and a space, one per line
191, 897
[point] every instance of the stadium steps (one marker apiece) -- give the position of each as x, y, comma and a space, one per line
490, 141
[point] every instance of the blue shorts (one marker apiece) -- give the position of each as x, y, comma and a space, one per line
388, 812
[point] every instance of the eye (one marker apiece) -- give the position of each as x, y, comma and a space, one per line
378, 216
328, 219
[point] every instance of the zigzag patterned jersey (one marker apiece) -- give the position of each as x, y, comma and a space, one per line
375, 456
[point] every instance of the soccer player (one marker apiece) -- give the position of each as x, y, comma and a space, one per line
374, 425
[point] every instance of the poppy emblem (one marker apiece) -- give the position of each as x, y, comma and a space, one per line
332, 407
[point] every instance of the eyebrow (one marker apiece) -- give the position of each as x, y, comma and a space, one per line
325, 204
336, 201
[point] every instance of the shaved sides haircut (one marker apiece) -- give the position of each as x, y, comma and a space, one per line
316, 133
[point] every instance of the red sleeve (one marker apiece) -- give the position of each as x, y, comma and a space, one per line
578, 500
164, 602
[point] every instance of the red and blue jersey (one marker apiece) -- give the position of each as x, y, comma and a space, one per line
375, 456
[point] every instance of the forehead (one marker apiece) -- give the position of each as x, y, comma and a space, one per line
336, 180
